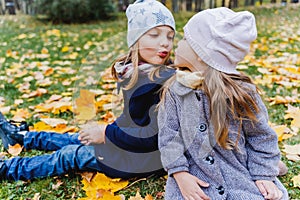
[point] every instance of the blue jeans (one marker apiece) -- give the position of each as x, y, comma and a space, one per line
69, 155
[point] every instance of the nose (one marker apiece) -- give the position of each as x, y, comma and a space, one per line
165, 42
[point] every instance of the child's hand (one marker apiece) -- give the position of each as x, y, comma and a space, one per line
268, 189
92, 133
189, 186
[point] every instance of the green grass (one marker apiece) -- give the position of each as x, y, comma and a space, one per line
271, 21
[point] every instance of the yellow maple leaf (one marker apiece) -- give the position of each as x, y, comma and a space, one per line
110, 184
283, 132
102, 186
41, 126
21, 114
65, 49
85, 108
296, 181
63, 128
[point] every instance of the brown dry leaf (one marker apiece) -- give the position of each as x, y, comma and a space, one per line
88, 175
85, 108
53, 97
160, 195
37, 196
108, 117
106, 195
37, 93
109, 86
136, 197
292, 152
57, 185
296, 181
15, 150
49, 71
106, 75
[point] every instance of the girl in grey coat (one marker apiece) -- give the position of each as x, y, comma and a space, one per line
214, 136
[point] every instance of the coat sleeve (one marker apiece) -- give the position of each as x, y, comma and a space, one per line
262, 145
170, 140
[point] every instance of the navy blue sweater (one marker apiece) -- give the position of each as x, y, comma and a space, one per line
131, 144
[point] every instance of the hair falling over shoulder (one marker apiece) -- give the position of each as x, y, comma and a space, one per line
229, 99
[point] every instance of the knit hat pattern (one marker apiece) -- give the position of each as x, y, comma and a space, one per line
144, 15
221, 37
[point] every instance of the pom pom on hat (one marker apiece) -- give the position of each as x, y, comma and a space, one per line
221, 37
144, 15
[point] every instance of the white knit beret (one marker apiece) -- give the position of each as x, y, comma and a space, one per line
144, 15
221, 37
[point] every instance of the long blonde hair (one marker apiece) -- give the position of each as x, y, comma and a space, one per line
229, 99
134, 57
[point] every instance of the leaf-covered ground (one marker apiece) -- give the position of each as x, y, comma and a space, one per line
44, 67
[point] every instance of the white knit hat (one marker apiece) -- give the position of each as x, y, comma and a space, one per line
144, 15
221, 37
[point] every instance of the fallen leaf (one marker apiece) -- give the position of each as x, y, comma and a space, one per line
148, 197
84, 107
37, 196
292, 152
15, 150
136, 197
102, 186
283, 132
57, 185
88, 175
296, 181
53, 121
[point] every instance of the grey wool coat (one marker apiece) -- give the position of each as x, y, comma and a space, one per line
186, 143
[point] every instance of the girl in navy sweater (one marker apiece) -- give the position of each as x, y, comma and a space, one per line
126, 148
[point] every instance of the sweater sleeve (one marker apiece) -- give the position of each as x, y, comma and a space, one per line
144, 139
262, 145
170, 140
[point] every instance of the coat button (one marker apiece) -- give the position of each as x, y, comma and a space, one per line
221, 190
210, 160
202, 127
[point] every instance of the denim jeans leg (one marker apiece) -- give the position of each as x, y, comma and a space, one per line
69, 158
49, 140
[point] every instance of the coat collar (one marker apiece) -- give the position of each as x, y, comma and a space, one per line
180, 89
